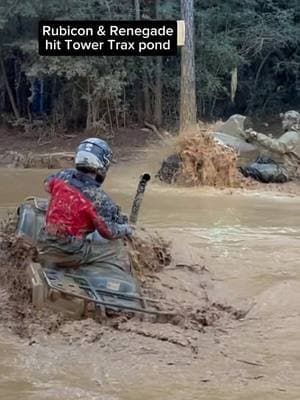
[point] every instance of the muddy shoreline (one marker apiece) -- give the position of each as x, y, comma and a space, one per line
129, 146
19, 150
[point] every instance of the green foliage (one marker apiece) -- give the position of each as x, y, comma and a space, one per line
258, 37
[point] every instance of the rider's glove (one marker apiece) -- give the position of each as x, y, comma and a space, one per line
251, 134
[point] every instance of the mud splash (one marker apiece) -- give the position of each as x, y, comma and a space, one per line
149, 253
200, 160
190, 309
206, 162
16, 311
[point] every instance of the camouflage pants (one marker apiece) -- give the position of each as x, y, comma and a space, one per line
73, 253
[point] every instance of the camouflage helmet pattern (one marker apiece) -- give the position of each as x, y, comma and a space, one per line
94, 154
290, 119
292, 114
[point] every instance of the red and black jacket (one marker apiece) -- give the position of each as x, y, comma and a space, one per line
79, 206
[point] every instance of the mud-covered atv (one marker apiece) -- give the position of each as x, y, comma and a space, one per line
82, 290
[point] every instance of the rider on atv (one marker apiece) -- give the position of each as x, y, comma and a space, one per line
79, 207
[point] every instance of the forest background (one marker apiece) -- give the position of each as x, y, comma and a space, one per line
247, 60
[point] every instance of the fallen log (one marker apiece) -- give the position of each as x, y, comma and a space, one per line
49, 160
56, 160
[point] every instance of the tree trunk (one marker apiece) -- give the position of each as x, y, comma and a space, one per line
42, 95
138, 86
147, 101
8, 89
17, 73
89, 109
158, 82
188, 108
30, 100
137, 9
144, 88
139, 103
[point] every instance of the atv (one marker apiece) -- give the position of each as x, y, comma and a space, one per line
85, 290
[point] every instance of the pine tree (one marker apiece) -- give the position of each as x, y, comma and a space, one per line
188, 108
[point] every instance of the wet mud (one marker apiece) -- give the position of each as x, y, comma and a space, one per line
233, 251
200, 160
180, 290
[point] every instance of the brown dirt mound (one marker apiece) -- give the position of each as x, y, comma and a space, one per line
205, 162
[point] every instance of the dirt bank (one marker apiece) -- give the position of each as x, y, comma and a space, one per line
20, 150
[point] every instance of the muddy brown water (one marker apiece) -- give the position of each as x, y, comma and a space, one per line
250, 241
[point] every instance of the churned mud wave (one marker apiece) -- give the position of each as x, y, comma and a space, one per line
181, 290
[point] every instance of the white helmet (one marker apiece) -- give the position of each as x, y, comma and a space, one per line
94, 155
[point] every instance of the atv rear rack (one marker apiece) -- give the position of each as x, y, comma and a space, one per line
80, 287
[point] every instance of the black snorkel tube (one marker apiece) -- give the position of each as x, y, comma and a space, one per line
136, 205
